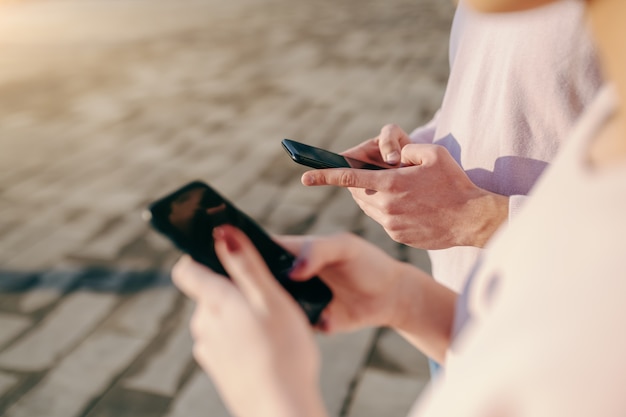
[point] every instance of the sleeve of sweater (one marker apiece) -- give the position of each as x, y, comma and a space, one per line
425, 133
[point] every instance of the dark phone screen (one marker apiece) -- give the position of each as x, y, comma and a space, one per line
188, 216
321, 158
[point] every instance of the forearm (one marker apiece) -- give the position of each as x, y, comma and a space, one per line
425, 313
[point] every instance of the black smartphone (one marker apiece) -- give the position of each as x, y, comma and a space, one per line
187, 217
320, 158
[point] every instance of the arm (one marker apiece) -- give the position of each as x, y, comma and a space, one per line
280, 376
425, 315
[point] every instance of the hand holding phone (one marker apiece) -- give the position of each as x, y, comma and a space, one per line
318, 158
187, 217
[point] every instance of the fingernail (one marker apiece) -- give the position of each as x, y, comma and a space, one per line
302, 259
298, 264
393, 158
225, 234
308, 179
322, 324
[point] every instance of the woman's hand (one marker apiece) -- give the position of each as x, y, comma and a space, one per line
250, 336
365, 281
372, 289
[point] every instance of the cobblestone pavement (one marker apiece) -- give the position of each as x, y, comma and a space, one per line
105, 106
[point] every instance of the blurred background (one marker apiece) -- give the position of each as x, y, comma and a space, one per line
106, 105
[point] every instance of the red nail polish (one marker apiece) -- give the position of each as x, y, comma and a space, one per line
298, 264
322, 324
225, 234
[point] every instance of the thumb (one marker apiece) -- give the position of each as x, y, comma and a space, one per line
415, 154
390, 143
317, 253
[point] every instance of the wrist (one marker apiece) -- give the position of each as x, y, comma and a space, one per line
486, 213
407, 297
424, 313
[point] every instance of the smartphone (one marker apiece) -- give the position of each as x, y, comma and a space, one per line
320, 158
187, 217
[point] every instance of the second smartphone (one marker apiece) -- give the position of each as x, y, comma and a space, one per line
188, 215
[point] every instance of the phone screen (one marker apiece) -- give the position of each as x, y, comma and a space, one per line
320, 158
188, 215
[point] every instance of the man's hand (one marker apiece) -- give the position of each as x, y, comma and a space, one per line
365, 281
428, 203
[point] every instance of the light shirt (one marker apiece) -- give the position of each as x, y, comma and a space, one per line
540, 327
518, 82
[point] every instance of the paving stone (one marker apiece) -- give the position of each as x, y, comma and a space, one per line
258, 199
343, 356
419, 258
386, 394
58, 332
11, 325
142, 315
30, 231
14, 281
161, 375
338, 215
290, 219
79, 378
108, 245
104, 280
43, 253
296, 208
395, 354
157, 241
7, 381
50, 286
198, 398
119, 402
236, 179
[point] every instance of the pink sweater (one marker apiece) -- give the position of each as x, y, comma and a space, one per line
517, 84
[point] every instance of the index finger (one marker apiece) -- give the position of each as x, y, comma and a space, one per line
344, 177
245, 266
195, 280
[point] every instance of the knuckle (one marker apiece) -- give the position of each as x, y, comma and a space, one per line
394, 184
389, 127
390, 224
346, 179
396, 237
439, 151
177, 272
199, 354
387, 208
387, 133
195, 325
